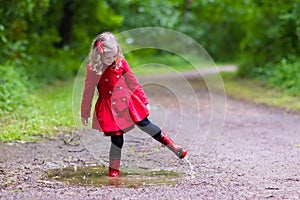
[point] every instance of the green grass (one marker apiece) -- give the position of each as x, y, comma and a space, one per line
163, 64
49, 112
255, 91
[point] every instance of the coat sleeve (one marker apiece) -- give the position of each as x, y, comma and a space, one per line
133, 83
91, 81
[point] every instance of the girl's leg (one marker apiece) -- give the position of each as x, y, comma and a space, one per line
154, 131
116, 146
115, 155
147, 126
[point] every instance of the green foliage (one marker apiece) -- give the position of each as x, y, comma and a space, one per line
33, 29
17, 18
160, 13
285, 76
215, 25
272, 43
91, 18
49, 111
14, 86
272, 31
61, 67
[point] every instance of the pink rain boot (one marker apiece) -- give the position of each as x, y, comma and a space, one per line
177, 149
114, 168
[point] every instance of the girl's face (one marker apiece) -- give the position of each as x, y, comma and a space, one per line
108, 58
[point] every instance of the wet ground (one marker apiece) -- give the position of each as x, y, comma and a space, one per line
255, 157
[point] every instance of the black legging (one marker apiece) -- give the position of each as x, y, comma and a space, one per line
150, 128
118, 140
116, 146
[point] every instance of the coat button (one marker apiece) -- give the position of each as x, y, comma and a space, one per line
117, 76
121, 87
106, 80
114, 103
110, 92
123, 99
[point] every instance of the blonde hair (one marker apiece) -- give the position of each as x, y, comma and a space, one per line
104, 46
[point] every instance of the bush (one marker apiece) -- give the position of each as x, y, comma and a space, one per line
271, 45
14, 88
61, 66
286, 76
42, 113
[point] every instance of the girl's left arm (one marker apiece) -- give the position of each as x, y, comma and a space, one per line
133, 83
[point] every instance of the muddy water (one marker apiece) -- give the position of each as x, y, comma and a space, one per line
98, 176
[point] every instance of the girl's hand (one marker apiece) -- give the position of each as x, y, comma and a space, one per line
148, 106
85, 121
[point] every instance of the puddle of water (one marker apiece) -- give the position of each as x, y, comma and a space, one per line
98, 176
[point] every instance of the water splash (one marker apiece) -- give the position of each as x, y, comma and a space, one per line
192, 172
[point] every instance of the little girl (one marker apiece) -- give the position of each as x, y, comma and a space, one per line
121, 103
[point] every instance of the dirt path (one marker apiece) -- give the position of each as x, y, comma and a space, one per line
255, 157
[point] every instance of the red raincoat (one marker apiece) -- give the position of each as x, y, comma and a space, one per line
121, 100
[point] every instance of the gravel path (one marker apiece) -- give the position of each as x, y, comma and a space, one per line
256, 156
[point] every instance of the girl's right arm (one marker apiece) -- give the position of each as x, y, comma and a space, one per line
91, 81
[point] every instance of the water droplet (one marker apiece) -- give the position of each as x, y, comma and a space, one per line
192, 172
